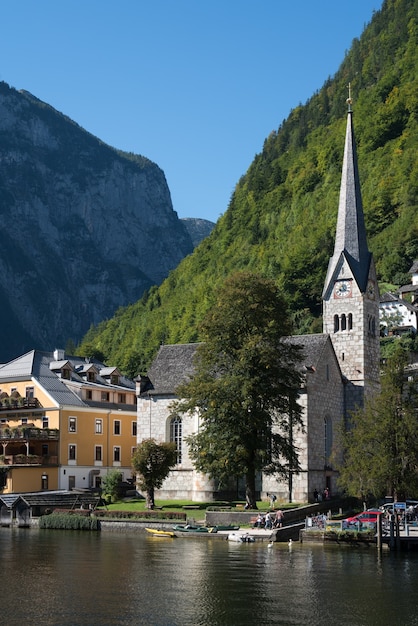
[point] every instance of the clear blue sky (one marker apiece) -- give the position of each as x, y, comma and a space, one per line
194, 85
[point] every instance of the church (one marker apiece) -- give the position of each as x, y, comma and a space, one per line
340, 367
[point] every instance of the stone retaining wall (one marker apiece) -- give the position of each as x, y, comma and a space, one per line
239, 518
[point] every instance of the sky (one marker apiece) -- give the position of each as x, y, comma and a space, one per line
194, 85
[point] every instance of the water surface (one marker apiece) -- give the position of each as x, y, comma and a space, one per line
82, 578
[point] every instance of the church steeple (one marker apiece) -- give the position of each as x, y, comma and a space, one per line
350, 238
351, 293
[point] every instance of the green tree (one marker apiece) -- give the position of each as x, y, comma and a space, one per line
381, 445
152, 461
110, 484
245, 386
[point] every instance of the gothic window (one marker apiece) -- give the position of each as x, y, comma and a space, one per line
336, 323
371, 324
176, 435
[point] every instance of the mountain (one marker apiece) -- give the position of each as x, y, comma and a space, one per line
198, 228
84, 228
282, 216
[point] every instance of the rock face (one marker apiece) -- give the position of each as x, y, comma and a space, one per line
84, 228
198, 228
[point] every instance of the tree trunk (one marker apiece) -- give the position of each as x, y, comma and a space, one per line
150, 498
250, 498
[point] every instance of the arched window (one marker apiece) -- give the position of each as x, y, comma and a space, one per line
336, 323
350, 321
176, 435
343, 322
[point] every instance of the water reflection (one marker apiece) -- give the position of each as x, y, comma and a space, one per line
71, 578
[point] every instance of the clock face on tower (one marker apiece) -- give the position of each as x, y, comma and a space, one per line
342, 289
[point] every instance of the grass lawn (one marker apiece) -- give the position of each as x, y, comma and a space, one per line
136, 504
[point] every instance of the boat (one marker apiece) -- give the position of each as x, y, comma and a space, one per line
189, 528
155, 532
226, 527
241, 538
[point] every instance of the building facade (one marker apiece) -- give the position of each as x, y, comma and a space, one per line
64, 422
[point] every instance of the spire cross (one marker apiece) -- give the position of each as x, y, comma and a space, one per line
349, 99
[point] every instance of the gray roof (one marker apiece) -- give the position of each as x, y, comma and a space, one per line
36, 364
350, 237
173, 364
388, 297
47, 498
19, 368
414, 268
52, 384
408, 288
312, 346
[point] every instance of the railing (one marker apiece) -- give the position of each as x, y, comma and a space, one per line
28, 459
20, 432
322, 522
6, 404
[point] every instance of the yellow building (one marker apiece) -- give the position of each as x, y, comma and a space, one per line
64, 422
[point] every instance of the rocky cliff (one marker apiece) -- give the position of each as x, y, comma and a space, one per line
84, 228
198, 228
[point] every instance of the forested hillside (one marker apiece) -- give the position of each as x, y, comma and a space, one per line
282, 215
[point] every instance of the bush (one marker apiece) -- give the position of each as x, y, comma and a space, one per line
69, 521
141, 515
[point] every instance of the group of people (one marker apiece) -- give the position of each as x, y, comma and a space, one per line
270, 520
319, 497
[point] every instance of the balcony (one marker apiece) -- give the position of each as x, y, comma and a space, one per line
27, 459
29, 433
12, 403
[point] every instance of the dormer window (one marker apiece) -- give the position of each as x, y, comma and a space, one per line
91, 377
114, 379
66, 374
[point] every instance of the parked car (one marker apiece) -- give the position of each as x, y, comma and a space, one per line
366, 516
408, 509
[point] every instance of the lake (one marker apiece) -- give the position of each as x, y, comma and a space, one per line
82, 578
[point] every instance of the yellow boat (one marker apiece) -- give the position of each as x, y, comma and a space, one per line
160, 533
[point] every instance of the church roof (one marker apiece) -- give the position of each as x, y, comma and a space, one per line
312, 348
173, 364
350, 239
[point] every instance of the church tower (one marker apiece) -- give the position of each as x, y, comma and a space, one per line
351, 294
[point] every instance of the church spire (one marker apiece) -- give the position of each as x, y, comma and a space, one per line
350, 238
